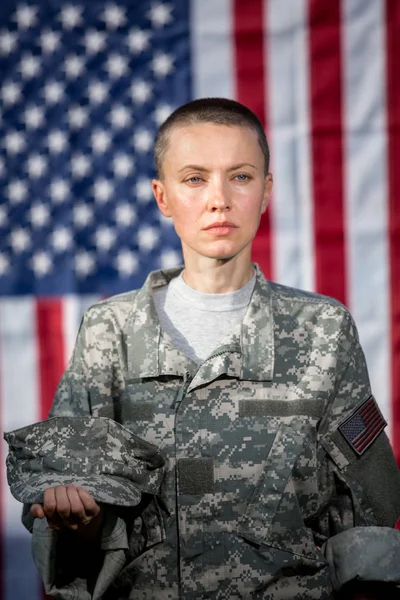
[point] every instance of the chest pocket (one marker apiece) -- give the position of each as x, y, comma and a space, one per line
277, 509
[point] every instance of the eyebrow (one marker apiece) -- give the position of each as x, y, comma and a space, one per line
203, 169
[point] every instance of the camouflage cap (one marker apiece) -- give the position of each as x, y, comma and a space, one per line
96, 453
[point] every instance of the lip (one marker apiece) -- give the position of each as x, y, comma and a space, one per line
221, 225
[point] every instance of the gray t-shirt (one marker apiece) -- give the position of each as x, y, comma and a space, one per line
196, 321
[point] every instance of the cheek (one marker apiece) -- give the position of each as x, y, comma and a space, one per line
182, 199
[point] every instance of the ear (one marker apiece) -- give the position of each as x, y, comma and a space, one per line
160, 196
267, 192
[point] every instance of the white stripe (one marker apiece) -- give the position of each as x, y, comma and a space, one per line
289, 132
212, 48
366, 186
19, 406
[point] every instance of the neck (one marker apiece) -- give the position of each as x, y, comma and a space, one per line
213, 276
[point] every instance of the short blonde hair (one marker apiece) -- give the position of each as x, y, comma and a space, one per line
220, 111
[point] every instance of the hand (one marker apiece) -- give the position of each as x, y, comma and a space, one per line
68, 507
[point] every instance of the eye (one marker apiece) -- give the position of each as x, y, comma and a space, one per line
193, 179
242, 177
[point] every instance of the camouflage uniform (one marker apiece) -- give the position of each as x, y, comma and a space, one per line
263, 497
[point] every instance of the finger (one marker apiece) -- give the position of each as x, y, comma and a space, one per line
37, 511
49, 503
77, 514
91, 507
62, 503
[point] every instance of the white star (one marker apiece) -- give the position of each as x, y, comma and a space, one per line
120, 116
77, 117
36, 165
104, 238
140, 91
127, 263
29, 66
95, 41
17, 191
71, 16
25, 16
19, 240
83, 215
34, 117
138, 40
49, 41
8, 41
74, 66
143, 140
103, 190
41, 264
56, 141
4, 264
160, 14
97, 92
147, 238
84, 264
170, 259
80, 165
100, 141
122, 165
162, 64
39, 215
162, 113
3, 216
144, 192
116, 66
125, 215
11, 93
59, 190
14, 142
61, 239
114, 16
53, 92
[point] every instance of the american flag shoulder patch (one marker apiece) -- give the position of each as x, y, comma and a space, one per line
363, 426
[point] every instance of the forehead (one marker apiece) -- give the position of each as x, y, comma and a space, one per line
211, 139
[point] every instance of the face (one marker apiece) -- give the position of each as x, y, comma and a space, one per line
215, 189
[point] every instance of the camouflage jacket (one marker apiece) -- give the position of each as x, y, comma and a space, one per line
264, 495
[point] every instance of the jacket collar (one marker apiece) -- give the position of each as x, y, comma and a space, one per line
245, 353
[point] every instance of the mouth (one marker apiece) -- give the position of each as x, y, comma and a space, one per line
221, 227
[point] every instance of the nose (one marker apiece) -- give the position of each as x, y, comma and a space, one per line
218, 197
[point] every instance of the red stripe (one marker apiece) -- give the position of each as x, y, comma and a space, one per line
372, 434
51, 354
250, 90
371, 431
393, 119
366, 410
327, 151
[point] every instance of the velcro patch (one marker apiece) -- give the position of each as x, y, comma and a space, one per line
363, 426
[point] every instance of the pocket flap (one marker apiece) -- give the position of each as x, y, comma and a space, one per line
256, 522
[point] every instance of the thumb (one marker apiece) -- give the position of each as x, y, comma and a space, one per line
37, 511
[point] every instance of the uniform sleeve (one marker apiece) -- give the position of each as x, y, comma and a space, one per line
90, 384
358, 481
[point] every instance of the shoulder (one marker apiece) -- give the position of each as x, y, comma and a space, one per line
296, 300
111, 312
321, 316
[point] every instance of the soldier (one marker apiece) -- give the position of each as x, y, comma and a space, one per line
279, 479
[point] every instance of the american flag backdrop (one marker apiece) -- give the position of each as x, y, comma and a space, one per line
83, 87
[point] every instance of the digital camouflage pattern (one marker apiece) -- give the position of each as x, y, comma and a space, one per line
374, 555
97, 454
259, 477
